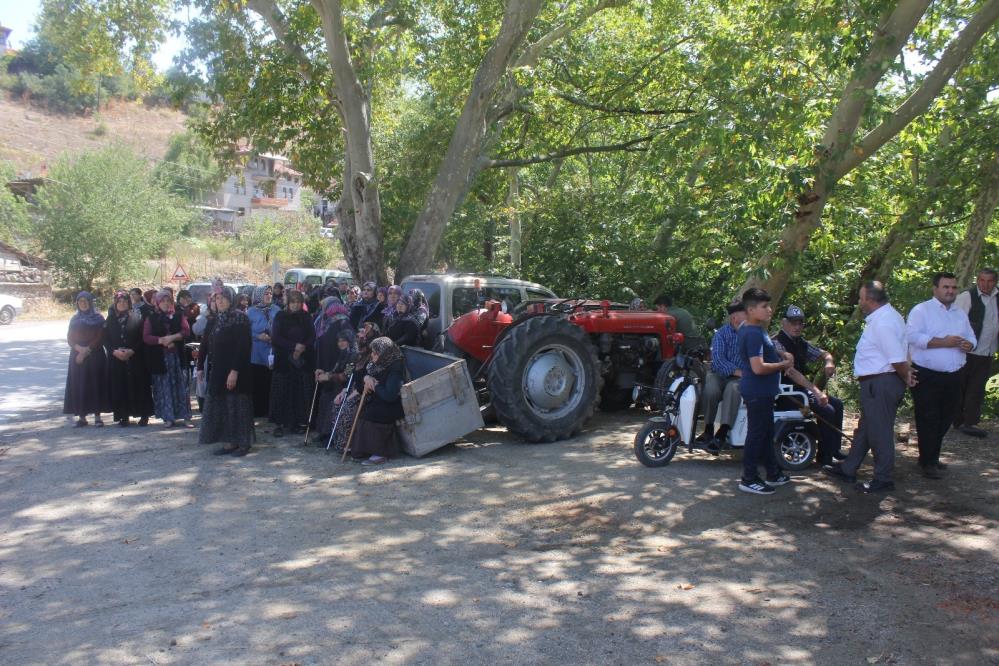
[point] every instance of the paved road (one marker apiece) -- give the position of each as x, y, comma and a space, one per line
34, 356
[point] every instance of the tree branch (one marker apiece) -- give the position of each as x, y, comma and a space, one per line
624, 110
953, 57
533, 51
569, 152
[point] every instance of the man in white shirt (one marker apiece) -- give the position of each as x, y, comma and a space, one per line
980, 304
939, 336
882, 368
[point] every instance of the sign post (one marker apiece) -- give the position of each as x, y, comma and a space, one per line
179, 274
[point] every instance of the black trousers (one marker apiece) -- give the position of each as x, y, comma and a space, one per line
934, 398
973, 376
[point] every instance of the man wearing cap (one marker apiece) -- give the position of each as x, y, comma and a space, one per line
939, 336
979, 303
722, 383
829, 410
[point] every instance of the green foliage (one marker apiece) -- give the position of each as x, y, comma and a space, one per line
15, 218
188, 168
101, 214
288, 239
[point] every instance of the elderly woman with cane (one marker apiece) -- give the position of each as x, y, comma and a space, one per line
375, 439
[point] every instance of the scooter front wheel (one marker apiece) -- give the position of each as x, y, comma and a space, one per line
656, 443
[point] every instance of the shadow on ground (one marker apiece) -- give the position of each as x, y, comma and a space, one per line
129, 545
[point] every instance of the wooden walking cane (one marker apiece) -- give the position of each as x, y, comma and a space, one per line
350, 438
308, 425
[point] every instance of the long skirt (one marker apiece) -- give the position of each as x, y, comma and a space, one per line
130, 391
291, 397
346, 421
171, 395
86, 385
228, 418
261, 376
325, 409
375, 439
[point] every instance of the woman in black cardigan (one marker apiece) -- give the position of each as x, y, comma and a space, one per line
404, 329
228, 414
128, 379
376, 438
292, 339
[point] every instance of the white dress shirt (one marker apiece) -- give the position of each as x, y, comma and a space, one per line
932, 319
881, 344
988, 339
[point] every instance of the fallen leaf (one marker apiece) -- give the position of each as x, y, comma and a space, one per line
288, 615
755, 590
661, 659
685, 586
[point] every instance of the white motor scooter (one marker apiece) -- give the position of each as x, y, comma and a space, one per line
796, 434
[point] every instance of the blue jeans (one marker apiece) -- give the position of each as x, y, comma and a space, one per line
759, 439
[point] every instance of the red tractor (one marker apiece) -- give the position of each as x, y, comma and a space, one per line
547, 366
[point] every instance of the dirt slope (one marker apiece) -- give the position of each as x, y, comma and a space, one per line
32, 137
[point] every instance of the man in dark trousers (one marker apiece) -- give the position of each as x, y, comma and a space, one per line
939, 336
882, 369
827, 408
980, 304
760, 383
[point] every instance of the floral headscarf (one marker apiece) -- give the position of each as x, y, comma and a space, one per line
122, 317
258, 296
388, 353
89, 318
229, 318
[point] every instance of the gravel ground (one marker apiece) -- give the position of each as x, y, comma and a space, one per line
137, 546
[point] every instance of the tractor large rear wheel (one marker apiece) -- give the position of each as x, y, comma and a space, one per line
544, 379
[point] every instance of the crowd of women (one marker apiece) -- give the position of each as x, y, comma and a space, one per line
298, 361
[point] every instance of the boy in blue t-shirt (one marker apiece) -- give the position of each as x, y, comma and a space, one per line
761, 367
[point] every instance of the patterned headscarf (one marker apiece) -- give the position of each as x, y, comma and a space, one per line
388, 353
122, 317
258, 296
89, 318
332, 311
229, 318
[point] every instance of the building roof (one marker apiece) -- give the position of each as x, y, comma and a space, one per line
26, 259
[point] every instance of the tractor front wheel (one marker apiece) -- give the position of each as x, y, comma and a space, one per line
544, 379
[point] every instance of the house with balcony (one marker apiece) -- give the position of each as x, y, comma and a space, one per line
262, 181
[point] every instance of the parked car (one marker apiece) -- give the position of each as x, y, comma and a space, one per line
304, 279
450, 295
10, 307
200, 291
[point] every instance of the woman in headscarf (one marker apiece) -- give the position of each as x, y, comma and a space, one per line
163, 333
127, 377
86, 385
203, 329
366, 309
242, 302
335, 358
351, 296
376, 438
261, 317
228, 415
390, 313
404, 329
292, 337
333, 317
355, 380
421, 309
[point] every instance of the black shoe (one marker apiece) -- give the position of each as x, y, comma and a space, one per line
942, 466
224, 451
239, 453
144, 421
279, 432
124, 423
839, 456
755, 487
836, 471
974, 431
875, 486
931, 472
80, 423
714, 446
778, 480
